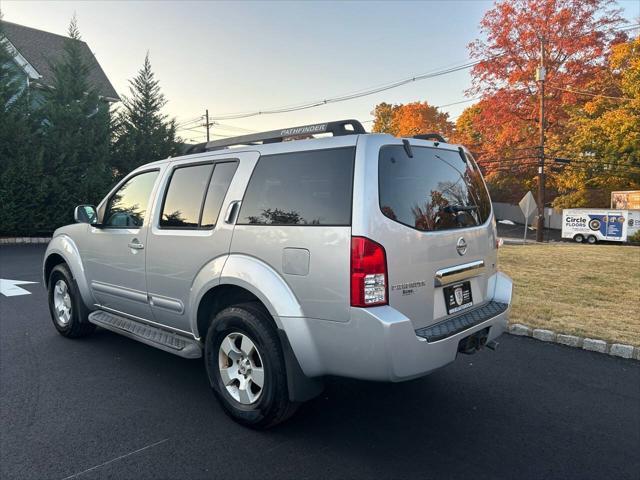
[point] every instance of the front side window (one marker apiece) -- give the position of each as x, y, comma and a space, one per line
128, 206
436, 189
300, 188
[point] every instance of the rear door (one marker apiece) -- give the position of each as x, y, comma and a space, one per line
433, 219
296, 218
189, 230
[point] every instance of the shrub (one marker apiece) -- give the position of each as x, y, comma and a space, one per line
635, 238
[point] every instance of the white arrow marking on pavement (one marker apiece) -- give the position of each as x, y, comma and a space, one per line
10, 288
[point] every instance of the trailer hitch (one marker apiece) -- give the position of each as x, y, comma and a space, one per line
471, 344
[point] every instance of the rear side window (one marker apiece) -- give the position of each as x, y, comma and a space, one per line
300, 188
435, 190
218, 186
195, 194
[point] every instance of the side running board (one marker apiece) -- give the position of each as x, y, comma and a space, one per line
150, 335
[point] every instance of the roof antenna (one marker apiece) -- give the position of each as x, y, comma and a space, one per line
407, 147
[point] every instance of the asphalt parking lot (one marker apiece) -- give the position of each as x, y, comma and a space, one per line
109, 407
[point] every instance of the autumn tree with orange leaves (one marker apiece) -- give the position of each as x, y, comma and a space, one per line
502, 128
411, 119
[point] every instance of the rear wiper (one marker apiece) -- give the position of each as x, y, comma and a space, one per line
460, 208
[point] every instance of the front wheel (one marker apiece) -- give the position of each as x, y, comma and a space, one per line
246, 367
591, 240
579, 238
68, 311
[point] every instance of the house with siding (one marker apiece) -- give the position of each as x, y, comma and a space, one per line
35, 50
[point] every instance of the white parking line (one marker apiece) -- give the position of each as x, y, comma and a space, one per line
76, 475
10, 288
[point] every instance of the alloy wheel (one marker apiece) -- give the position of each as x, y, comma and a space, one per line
62, 302
241, 368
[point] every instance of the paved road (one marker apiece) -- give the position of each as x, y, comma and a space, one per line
515, 233
109, 407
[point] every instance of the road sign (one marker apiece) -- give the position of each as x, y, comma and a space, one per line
10, 288
528, 206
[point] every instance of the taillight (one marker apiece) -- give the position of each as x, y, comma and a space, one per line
368, 273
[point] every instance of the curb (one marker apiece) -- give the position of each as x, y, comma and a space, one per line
23, 240
590, 344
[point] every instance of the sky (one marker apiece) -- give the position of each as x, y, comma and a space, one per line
231, 57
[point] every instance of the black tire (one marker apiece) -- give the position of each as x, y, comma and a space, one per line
272, 405
78, 324
578, 238
591, 240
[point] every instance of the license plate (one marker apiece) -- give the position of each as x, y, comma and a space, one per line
458, 297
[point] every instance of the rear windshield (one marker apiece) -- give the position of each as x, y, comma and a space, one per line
435, 190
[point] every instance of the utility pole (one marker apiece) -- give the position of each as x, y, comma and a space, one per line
207, 124
541, 74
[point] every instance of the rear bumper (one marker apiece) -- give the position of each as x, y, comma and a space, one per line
381, 344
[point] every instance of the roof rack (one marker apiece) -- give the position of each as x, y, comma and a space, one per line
430, 136
337, 128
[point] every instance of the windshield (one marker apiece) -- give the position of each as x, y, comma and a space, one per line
437, 189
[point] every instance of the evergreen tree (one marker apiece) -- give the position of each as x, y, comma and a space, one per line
75, 131
143, 133
21, 165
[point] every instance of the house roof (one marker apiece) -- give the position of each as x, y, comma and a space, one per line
40, 48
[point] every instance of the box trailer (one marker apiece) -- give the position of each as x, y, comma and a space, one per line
593, 224
633, 222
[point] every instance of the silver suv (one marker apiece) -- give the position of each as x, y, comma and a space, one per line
288, 258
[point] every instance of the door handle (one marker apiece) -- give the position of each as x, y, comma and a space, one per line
135, 244
232, 212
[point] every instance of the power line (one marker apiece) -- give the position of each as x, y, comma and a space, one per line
372, 91
459, 102
503, 161
627, 171
192, 120
628, 27
531, 166
563, 160
188, 122
202, 137
527, 162
528, 167
195, 128
452, 119
233, 128
351, 96
592, 163
580, 92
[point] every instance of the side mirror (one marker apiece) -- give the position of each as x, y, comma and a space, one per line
86, 214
